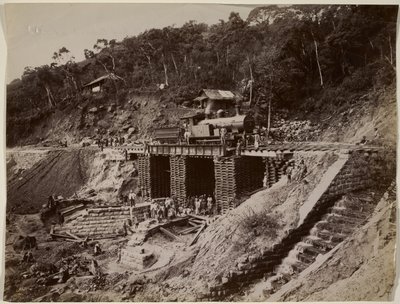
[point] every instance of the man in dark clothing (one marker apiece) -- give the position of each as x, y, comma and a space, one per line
51, 202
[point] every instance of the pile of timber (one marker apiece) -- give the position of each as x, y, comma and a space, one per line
225, 183
197, 225
144, 172
200, 224
178, 165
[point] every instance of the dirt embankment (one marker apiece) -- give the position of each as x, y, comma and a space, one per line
373, 115
135, 117
20, 160
361, 269
108, 179
61, 172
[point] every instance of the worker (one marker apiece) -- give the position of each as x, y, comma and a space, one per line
289, 170
51, 202
243, 138
135, 222
63, 274
94, 267
209, 205
197, 203
131, 198
256, 140
239, 147
101, 145
28, 257
119, 254
302, 170
60, 218
187, 135
363, 140
97, 249
223, 136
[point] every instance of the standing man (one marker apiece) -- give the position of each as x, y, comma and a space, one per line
209, 205
239, 147
223, 136
256, 140
131, 198
187, 136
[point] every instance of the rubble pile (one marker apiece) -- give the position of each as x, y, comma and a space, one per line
294, 130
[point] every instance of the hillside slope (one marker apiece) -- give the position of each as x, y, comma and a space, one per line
61, 173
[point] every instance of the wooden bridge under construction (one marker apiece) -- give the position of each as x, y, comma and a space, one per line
180, 171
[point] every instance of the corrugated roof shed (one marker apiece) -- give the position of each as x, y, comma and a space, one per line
218, 94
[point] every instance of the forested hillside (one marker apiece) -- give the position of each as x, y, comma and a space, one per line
310, 60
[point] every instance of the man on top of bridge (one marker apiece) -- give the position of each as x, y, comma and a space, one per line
223, 136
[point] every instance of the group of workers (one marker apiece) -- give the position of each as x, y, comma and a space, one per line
110, 142
170, 208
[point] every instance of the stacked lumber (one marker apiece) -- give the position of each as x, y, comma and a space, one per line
178, 167
225, 183
275, 168
144, 172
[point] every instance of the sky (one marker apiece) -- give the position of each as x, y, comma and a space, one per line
35, 31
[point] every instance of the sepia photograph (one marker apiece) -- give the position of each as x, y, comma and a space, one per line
191, 152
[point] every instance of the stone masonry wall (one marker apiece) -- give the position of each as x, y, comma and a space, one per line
102, 222
363, 170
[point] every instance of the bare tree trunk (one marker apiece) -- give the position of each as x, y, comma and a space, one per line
251, 77
370, 43
226, 57
50, 97
165, 70
176, 67
217, 58
391, 51
150, 67
104, 66
316, 55
303, 47
113, 62
269, 110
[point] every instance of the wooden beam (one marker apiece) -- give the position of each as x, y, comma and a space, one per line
202, 218
190, 230
74, 236
194, 240
170, 234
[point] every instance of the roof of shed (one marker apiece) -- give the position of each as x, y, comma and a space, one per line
108, 76
218, 94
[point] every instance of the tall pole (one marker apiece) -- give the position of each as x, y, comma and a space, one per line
269, 108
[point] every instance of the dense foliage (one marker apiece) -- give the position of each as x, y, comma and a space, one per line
290, 56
